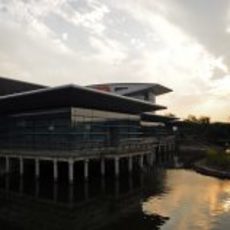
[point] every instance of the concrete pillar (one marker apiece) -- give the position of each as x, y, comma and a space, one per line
153, 156
159, 148
71, 194
7, 165
86, 190
173, 147
71, 172
162, 158
141, 161
103, 167
117, 188
171, 155
37, 189
130, 164
21, 185
161, 154
169, 146
55, 170
117, 166
157, 156
55, 192
130, 183
21, 166
103, 185
37, 168
86, 169
7, 182
141, 180
149, 159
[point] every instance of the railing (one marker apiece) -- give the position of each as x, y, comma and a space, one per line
90, 148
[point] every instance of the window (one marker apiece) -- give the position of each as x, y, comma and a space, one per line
120, 88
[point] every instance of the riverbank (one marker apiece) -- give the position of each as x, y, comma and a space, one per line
203, 168
205, 158
190, 152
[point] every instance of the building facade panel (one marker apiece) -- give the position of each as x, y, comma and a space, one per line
67, 129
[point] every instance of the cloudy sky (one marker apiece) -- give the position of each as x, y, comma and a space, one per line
182, 44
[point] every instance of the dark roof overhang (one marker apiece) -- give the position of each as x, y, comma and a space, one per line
73, 96
9, 86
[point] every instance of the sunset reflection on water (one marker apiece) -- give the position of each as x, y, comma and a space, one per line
192, 201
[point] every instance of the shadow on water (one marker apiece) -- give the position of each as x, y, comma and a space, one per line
98, 204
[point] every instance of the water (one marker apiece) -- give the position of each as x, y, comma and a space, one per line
156, 199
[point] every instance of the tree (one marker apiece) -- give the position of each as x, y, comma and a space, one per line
192, 118
170, 115
204, 120
200, 120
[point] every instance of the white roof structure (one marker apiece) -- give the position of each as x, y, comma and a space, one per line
129, 88
144, 91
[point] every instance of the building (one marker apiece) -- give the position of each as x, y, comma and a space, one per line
72, 123
152, 125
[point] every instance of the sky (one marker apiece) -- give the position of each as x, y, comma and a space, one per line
181, 44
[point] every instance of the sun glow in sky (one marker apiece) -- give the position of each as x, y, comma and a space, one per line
181, 44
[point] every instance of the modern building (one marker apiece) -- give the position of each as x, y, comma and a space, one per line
72, 123
151, 124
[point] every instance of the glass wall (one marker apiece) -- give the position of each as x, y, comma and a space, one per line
101, 128
36, 130
155, 129
67, 129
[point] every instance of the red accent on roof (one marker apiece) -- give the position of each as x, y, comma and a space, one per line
105, 88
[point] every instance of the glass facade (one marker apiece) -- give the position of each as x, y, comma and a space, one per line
67, 129
156, 129
35, 130
100, 128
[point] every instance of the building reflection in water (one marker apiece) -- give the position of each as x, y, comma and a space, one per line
99, 204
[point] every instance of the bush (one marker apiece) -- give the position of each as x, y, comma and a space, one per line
218, 159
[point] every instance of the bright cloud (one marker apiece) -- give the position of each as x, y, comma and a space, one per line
91, 41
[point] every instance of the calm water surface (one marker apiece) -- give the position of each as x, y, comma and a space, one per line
157, 199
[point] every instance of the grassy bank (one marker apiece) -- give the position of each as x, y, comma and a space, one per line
218, 159
215, 163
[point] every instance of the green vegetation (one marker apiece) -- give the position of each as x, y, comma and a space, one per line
202, 130
218, 159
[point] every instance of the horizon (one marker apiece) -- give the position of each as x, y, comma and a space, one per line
92, 42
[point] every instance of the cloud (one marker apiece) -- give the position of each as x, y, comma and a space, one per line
207, 21
107, 49
28, 16
180, 60
91, 19
90, 41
